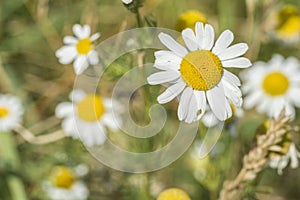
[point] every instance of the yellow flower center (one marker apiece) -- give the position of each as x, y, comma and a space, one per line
91, 108
173, 194
189, 18
275, 84
201, 69
84, 46
63, 177
3, 112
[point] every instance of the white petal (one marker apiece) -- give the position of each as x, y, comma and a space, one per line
86, 31
66, 54
233, 51
233, 93
237, 63
200, 34
77, 95
70, 40
165, 60
192, 111
209, 37
82, 31
93, 57
112, 122
64, 109
252, 99
231, 78
172, 92
224, 40
201, 102
217, 102
95, 36
171, 44
162, 77
294, 94
80, 64
209, 119
190, 39
183, 108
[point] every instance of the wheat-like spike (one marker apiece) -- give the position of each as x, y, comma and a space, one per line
256, 159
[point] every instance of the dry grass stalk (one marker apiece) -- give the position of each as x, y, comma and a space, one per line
256, 159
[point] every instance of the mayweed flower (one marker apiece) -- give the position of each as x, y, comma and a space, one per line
87, 117
127, 1
287, 24
198, 72
280, 162
210, 120
189, 18
173, 194
272, 86
63, 184
79, 49
11, 112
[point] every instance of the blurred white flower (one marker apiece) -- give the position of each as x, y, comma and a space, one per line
63, 185
198, 72
11, 112
88, 116
272, 86
127, 1
79, 48
280, 162
210, 120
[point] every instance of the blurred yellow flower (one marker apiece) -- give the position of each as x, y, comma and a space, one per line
189, 18
288, 24
62, 177
173, 194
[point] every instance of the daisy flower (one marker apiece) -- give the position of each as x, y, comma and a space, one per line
11, 112
210, 120
173, 194
64, 185
280, 162
189, 18
88, 117
272, 86
79, 48
198, 72
287, 24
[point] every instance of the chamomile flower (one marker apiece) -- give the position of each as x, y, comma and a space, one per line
79, 48
287, 24
198, 72
189, 18
280, 162
272, 86
11, 112
88, 117
173, 194
210, 120
63, 184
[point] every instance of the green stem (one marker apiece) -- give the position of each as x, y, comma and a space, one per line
9, 153
139, 19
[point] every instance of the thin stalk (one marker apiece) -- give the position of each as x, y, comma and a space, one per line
9, 154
